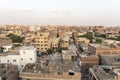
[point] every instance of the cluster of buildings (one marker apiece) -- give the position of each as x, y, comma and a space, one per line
79, 59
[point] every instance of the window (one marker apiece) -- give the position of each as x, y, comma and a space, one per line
30, 58
45, 38
14, 60
21, 59
45, 42
60, 73
45, 45
7, 60
22, 65
24, 52
37, 48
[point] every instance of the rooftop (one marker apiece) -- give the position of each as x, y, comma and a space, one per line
27, 48
9, 71
100, 73
11, 52
105, 46
56, 64
111, 60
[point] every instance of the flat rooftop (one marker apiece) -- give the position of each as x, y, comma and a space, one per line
11, 52
87, 55
56, 64
100, 73
27, 48
111, 60
99, 46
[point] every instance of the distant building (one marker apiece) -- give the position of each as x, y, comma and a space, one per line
34, 28
41, 41
69, 55
55, 43
64, 42
112, 34
82, 43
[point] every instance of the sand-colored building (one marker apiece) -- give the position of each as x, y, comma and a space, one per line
82, 40
55, 43
41, 41
64, 42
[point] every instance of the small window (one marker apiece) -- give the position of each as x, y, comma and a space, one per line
60, 73
21, 59
14, 60
22, 65
7, 60
24, 52
30, 58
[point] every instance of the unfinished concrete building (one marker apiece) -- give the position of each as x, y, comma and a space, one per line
8, 72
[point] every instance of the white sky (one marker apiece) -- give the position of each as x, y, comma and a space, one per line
64, 12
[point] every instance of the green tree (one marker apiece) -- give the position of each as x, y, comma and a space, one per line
89, 36
50, 51
101, 35
98, 41
15, 38
59, 50
1, 49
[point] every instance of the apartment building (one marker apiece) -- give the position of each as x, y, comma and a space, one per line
55, 43
82, 40
26, 54
41, 41
64, 42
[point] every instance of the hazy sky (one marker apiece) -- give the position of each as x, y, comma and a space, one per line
64, 12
